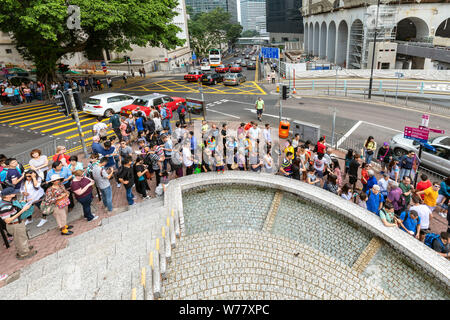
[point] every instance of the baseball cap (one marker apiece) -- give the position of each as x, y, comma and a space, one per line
386, 143
8, 191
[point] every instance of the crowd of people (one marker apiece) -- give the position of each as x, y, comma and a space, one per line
25, 93
144, 148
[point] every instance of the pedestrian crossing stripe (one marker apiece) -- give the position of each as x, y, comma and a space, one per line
181, 86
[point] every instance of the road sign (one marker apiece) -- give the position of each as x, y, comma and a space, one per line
418, 134
194, 57
433, 130
103, 63
399, 75
268, 52
425, 120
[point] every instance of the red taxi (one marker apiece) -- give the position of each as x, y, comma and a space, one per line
156, 100
194, 75
235, 68
222, 68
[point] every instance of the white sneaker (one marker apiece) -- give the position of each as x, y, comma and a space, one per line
41, 223
28, 221
118, 185
3, 277
94, 218
147, 197
443, 215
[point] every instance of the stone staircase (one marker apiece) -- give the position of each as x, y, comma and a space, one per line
124, 258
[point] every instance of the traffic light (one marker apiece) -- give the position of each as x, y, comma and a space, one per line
285, 92
78, 100
63, 103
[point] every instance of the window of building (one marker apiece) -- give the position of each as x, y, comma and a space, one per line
385, 65
285, 39
8, 51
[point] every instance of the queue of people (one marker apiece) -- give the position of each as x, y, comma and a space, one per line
144, 149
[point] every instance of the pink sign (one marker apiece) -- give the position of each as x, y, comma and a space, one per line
433, 130
425, 120
417, 133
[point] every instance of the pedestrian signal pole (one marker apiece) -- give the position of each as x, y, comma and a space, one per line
77, 120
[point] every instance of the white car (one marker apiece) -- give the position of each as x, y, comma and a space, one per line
205, 66
107, 103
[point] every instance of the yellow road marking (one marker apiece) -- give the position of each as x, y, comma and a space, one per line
36, 118
19, 117
18, 110
179, 84
48, 124
26, 115
66, 119
84, 126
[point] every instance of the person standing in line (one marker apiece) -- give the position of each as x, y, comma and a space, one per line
126, 177
114, 122
267, 134
140, 171
385, 155
14, 225
57, 195
406, 165
102, 177
82, 188
182, 110
259, 106
370, 146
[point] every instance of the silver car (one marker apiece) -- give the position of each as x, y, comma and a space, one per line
438, 160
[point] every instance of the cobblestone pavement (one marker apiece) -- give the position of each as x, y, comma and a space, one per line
257, 265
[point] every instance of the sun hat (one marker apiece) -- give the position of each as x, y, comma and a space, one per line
8, 191
55, 177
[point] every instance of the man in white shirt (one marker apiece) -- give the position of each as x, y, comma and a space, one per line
188, 159
383, 183
254, 133
99, 128
424, 213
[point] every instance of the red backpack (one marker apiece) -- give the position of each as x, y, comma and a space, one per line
169, 113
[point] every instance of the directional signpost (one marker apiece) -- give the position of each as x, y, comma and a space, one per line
104, 66
398, 75
421, 135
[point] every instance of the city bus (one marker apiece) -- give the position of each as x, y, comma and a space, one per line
215, 58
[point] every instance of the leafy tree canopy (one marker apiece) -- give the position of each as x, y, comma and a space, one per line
208, 30
39, 28
250, 33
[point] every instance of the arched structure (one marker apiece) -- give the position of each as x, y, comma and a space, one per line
331, 42
316, 39
356, 45
412, 28
342, 44
444, 29
323, 41
311, 38
306, 38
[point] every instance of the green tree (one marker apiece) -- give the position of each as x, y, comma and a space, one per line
39, 28
208, 30
250, 33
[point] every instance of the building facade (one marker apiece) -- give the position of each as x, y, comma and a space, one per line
229, 6
251, 11
342, 32
284, 20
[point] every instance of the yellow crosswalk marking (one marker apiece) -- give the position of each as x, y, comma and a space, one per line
62, 132
33, 117
25, 115
50, 122
23, 110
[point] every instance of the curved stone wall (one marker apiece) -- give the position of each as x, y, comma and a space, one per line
300, 221
224, 208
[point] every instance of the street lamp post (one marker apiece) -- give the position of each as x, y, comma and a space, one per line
373, 52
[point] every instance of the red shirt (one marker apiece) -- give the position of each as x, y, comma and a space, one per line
365, 175
58, 157
321, 147
423, 185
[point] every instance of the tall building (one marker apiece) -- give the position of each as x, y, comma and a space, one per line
229, 6
410, 34
284, 20
250, 11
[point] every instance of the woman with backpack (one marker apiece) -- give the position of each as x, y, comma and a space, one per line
125, 129
370, 146
140, 171
395, 197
